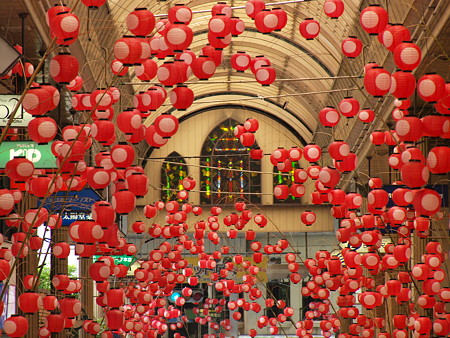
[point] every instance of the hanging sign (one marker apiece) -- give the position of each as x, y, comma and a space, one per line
119, 259
7, 105
72, 205
40, 154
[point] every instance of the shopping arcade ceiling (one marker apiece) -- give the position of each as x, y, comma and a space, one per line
311, 74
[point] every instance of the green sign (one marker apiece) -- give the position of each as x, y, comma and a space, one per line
125, 260
40, 154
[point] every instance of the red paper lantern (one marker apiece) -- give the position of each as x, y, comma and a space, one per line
308, 217
438, 160
140, 22
129, 121
147, 70
247, 139
403, 84
329, 177
373, 19
203, 67
178, 36
309, 28
351, 47
423, 325
122, 155
378, 199
37, 101
282, 18
51, 13
427, 202
181, 97
115, 298
64, 68
407, 56
265, 75
431, 87
65, 26
366, 115
281, 192
118, 68
349, 107
166, 125
329, 117
393, 35
153, 138
115, 319
61, 250
19, 169
15, 326
219, 42
219, 25
240, 61
333, 8
137, 183
76, 84
123, 202
180, 13
409, 129
168, 74
377, 81
435, 125
30, 302
101, 99
103, 130
377, 137
266, 21
93, 3
99, 271
414, 174
253, 7
128, 50
70, 307
54, 95
312, 153
258, 62
237, 26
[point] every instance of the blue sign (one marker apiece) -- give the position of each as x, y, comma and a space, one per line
72, 205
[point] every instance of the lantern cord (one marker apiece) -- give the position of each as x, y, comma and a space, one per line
242, 7
224, 169
254, 81
271, 96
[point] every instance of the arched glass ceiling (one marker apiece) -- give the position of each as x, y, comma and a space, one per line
291, 55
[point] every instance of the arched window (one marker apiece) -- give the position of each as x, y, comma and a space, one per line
173, 170
228, 173
280, 178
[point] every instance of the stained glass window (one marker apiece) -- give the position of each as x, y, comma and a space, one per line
173, 171
228, 173
280, 178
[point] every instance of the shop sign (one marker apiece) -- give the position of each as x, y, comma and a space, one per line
125, 260
40, 154
72, 205
7, 105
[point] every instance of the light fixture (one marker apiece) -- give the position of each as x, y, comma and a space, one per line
9, 56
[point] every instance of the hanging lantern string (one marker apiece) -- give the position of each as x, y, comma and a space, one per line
242, 7
254, 81
222, 168
259, 97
